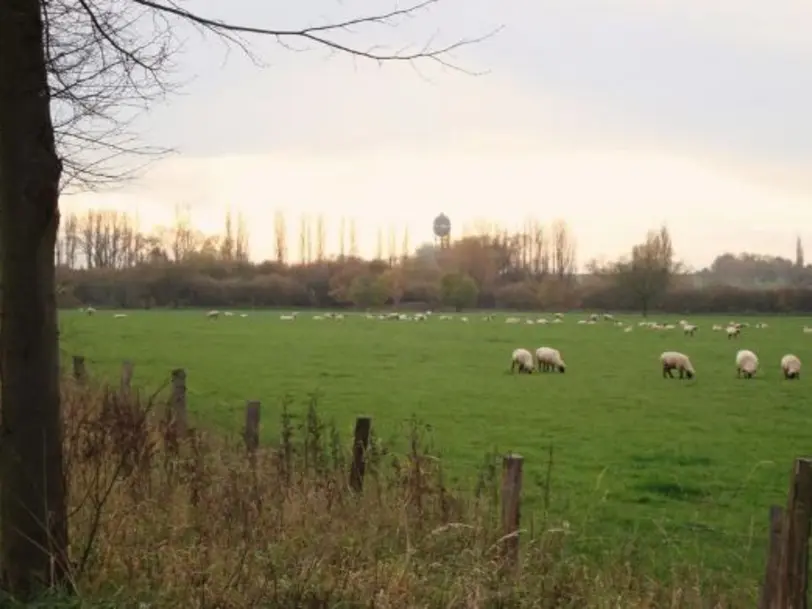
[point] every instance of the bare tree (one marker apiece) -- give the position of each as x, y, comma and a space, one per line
650, 270
563, 251
404, 250
99, 62
379, 244
241, 244
342, 232
280, 234
392, 249
321, 237
303, 238
353, 238
227, 242
309, 238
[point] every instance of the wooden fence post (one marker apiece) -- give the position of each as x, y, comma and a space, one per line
793, 575
773, 558
126, 375
79, 370
511, 504
359, 448
251, 433
177, 404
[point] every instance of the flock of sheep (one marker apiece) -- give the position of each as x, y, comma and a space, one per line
547, 359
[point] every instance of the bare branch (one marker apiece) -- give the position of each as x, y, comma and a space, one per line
108, 60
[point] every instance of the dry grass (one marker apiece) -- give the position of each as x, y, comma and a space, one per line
212, 528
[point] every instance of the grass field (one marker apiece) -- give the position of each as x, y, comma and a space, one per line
669, 472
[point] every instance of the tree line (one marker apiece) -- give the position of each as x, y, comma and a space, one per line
105, 260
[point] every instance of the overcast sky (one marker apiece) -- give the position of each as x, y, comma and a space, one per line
615, 115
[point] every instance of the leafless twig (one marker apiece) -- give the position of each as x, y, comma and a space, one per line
109, 60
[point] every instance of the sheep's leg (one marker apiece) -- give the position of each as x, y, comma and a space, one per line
681, 374
667, 372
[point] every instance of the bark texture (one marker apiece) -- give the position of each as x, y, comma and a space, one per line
33, 520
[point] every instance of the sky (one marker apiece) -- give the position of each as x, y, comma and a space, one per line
613, 115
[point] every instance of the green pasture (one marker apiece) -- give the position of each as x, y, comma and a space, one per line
667, 471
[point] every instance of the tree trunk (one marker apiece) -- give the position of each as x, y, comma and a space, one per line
33, 518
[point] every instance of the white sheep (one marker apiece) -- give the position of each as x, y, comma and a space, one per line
513, 320
628, 328
523, 359
717, 328
549, 359
672, 360
807, 330
559, 315
791, 366
733, 331
213, 314
746, 363
291, 317
119, 315
228, 314
90, 310
689, 329
243, 314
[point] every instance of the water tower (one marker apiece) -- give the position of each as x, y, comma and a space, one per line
442, 231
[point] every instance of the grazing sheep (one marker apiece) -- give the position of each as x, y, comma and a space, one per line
807, 330
791, 366
213, 314
689, 329
717, 328
549, 359
746, 363
558, 320
228, 314
90, 310
672, 360
291, 317
628, 328
464, 320
559, 315
119, 315
523, 359
593, 317
761, 326
529, 322
608, 317
243, 314
733, 331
